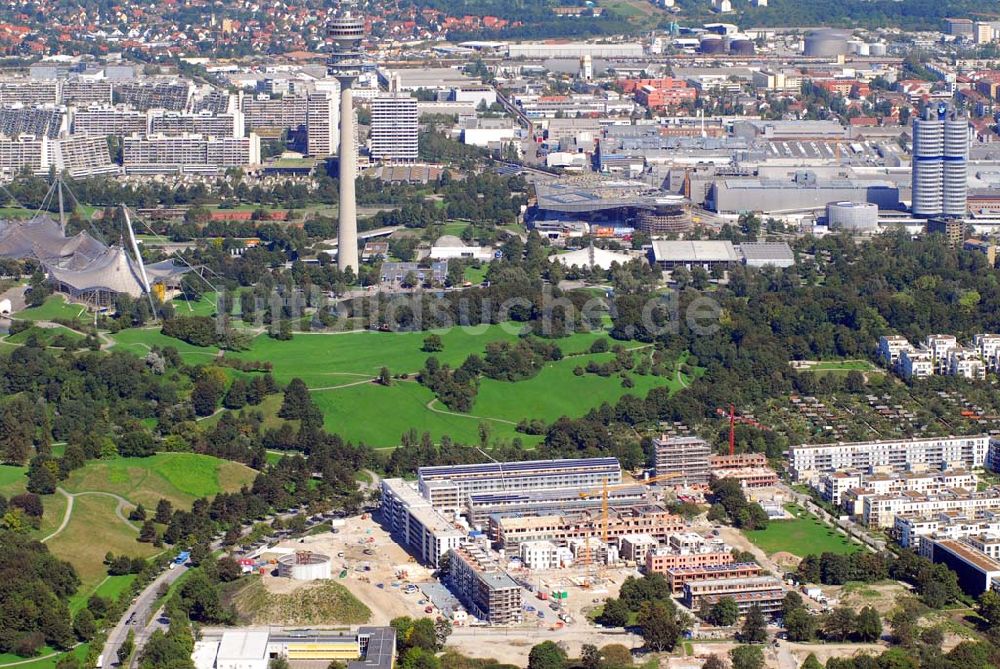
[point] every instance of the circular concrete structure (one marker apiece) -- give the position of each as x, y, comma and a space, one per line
741, 47
852, 216
304, 566
669, 215
712, 44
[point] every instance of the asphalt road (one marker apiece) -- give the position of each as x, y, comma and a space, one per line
136, 617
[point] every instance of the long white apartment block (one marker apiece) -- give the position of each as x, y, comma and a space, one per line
104, 120
881, 511
809, 461
910, 530
200, 154
80, 156
415, 523
834, 487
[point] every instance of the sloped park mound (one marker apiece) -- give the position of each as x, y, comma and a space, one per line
295, 603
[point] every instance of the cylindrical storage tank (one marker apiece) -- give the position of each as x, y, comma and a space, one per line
956, 162
852, 216
826, 43
741, 47
864, 49
711, 44
304, 566
877, 49
854, 46
928, 166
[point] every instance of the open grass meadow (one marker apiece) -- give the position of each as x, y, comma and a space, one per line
47, 336
803, 535
93, 530
319, 603
54, 307
340, 368
178, 477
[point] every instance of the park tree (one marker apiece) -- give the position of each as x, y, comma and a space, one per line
297, 402
615, 614
384, 377
125, 650
747, 657
546, 655
811, 662
138, 514
432, 344
800, 625
660, 628
724, 612
164, 511
236, 396
84, 625
754, 626
590, 656
792, 601
714, 661
868, 627
988, 607
147, 533
839, 624
615, 656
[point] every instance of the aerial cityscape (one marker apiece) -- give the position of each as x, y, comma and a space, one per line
476, 334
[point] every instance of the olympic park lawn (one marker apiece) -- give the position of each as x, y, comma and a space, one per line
339, 369
55, 307
801, 536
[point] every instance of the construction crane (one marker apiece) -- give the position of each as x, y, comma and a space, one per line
733, 419
603, 492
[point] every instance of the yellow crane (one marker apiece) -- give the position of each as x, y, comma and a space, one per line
603, 492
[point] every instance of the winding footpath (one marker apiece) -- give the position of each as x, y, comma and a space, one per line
71, 497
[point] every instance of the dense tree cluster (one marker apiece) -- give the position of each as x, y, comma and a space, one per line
34, 591
730, 504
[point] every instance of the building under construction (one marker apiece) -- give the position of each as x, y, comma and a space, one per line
557, 500
560, 529
478, 581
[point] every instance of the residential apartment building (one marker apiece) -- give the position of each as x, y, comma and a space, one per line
911, 530
687, 549
881, 510
201, 154
477, 580
809, 461
890, 347
766, 592
104, 120
448, 486
480, 506
322, 124
80, 156
915, 364
687, 457
415, 524
560, 529
85, 92
265, 113
145, 95
228, 124
394, 128
635, 547
678, 577
837, 486
540, 555
29, 92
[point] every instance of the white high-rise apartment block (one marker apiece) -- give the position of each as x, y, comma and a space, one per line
80, 156
394, 130
322, 121
940, 163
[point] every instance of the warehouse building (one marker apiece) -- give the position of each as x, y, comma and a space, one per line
478, 581
766, 254
804, 192
575, 50
415, 524
707, 254
368, 648
447, 487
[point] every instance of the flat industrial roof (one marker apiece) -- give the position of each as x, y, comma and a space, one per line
970, 555
767, 251
552, 494
694, 251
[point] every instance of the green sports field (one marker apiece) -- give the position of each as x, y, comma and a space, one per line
802, 536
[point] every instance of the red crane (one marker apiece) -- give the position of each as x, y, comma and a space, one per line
733, 418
